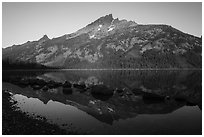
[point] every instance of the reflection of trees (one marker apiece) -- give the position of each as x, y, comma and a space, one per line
8, 64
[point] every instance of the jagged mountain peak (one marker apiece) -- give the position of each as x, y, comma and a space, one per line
45, 37
103, 26
107, 18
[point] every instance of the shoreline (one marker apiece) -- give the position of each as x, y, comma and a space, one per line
108, 69
15, 122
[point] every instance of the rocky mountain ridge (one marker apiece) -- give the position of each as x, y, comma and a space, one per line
113, 43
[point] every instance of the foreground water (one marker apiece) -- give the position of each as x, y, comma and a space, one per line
133, 102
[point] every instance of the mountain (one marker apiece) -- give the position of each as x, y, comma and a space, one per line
112, 43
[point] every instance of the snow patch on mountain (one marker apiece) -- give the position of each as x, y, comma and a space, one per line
92, 36
111, 27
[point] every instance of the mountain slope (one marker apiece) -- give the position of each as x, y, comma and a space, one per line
113, 43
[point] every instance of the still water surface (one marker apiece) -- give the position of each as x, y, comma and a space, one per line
178, 110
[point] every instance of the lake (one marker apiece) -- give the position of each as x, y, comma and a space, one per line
111, 101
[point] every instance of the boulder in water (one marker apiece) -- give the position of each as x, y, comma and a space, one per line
67, 84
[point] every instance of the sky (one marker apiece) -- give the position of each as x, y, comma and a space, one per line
22, 22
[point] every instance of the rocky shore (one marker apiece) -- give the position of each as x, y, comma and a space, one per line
15, 122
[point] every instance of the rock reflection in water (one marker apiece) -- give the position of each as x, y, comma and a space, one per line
114, 96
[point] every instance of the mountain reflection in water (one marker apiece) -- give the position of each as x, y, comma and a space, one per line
112, 102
